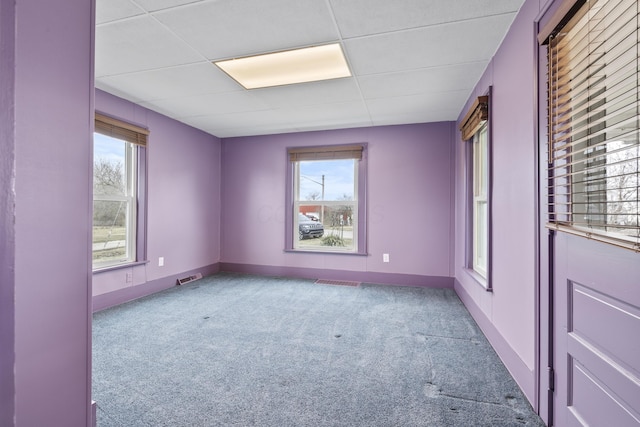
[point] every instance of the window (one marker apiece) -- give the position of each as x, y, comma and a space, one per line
480, 205
474, 128
327, 199
118, 178
594, 122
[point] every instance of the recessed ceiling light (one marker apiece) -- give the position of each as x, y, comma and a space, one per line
288, 67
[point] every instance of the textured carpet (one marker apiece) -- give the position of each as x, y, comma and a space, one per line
239, 350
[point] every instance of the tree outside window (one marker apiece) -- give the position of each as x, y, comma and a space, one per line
114, 201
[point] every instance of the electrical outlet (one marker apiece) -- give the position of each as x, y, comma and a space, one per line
129, 277
385, 257
161, 261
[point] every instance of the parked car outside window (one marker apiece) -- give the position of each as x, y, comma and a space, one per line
308, 228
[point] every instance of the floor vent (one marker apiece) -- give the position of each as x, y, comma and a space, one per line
336, 282
189, 279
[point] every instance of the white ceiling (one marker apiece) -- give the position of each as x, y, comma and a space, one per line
413, 61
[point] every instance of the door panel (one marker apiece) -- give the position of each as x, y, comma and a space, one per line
597, 334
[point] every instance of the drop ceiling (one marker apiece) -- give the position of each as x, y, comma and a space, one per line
413, 61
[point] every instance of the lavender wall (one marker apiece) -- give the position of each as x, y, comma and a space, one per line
409, 202
508, 314
183, 220
53, 116
7, 210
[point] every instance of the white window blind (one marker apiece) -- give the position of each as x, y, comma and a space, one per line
594, 122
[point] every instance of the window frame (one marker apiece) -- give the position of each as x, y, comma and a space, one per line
297, 204
480, 196
360, 196
136, 153
475, 124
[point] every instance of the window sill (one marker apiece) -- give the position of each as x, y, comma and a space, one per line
481, 281
118, 266
327, 252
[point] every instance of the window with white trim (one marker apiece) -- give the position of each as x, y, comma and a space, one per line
474, 128
480, 216
118, 161
327, 199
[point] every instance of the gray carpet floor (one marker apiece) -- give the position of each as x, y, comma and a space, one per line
241, 350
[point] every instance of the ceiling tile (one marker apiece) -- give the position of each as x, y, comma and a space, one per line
153, 5
227, 29
415, 117
329, 91
249, 130
343, 115
421, 104
320, 126
172, 82
437, 79
446, 44
210, 104
265, 118
102, 84
112, 10
384, 16
138, 44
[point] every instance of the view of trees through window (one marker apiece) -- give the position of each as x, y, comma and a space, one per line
113, 201
605, 187
326, 202
623, 185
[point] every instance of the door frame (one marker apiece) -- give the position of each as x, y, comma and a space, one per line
545, 238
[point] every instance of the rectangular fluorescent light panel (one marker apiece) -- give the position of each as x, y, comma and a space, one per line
309, 64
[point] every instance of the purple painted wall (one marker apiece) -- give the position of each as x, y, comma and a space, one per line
409, 200
183, 192
53, 119
197, 182
7, 210
508, 314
